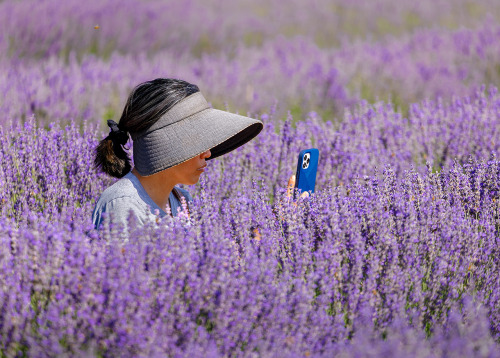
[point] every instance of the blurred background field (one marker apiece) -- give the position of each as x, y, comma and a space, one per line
78, 60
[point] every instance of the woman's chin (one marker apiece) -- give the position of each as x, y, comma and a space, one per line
193, 181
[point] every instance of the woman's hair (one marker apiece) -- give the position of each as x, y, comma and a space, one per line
145, 105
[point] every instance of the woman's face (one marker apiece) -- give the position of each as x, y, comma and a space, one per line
188, 172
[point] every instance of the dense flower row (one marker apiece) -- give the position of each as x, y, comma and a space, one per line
382, 257
399, 253
47, 169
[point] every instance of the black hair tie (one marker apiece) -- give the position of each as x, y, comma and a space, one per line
116, 134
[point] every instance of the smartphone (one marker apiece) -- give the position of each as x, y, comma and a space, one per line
307, 166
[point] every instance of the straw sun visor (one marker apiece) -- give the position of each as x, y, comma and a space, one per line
188, 129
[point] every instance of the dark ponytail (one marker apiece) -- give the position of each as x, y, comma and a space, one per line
145, 105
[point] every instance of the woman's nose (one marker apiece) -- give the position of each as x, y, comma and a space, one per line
206, 154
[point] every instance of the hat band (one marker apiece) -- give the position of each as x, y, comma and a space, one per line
187, 107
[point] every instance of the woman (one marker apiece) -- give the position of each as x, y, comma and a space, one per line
174, 133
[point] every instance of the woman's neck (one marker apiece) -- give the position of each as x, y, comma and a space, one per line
158, 187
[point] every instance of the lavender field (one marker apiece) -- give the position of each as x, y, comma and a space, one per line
396, 254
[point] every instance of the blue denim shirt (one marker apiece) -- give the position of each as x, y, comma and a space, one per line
126, 195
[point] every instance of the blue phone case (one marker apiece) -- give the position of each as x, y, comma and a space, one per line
307, 166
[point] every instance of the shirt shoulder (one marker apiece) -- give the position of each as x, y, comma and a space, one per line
119, 200
119, 210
